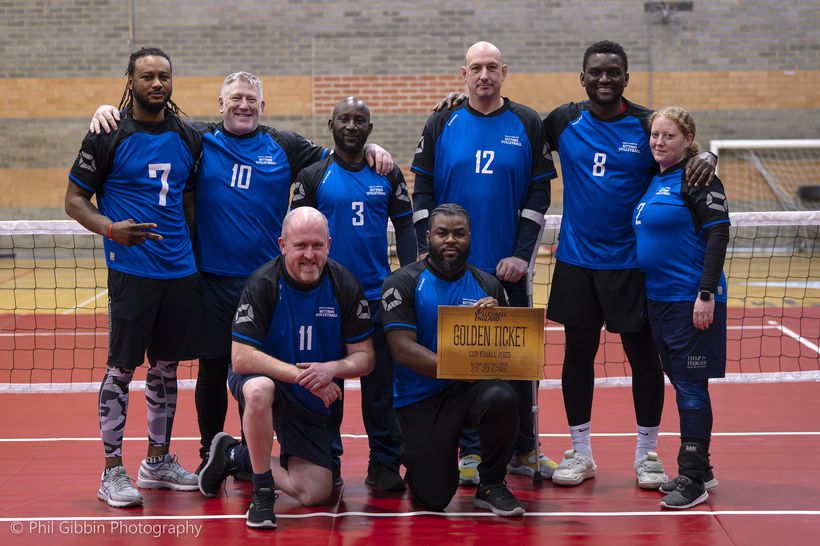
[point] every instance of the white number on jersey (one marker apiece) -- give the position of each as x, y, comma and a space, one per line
638, 215
306, 338
358, 213
164, 169
598, 163
241, 176
489, 155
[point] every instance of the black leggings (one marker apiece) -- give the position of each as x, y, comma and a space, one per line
211, 397
578, 375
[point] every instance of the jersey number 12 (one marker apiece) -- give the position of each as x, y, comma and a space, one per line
489, 155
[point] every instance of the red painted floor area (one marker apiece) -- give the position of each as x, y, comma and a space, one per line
763, 474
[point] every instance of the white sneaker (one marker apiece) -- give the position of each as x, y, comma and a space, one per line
468, 470
168, 474
649, 471
574, 469
116, 488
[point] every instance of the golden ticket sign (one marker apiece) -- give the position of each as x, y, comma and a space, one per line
490, 343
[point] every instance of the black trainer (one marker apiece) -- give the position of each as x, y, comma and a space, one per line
709, 482
201, 465
687, 494
337, 478
498, 499
383, 478
260, 513
217, 466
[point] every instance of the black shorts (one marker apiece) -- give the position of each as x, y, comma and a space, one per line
220, 297
688, 353
590, 298
301, 433
160, 316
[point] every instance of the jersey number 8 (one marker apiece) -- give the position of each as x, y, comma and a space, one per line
598, 162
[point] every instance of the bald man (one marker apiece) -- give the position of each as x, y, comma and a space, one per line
490, 155
302, 321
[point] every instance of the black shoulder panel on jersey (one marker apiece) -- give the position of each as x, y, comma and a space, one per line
203, 127
707, 204
641, 112
307, 183
356, 313
491, 285
557, 120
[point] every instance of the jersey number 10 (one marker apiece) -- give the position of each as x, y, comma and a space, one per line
241, 177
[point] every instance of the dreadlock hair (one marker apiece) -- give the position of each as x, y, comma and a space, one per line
127, 100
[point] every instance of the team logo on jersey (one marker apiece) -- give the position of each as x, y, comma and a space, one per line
265, 160
468, 302
244, 313
86, 161
391, 299
401, 192
512, 140
376, 190
631, 147
420, 147
716, 201
546, 152
327, 312
665, 190
363, 311
298, 191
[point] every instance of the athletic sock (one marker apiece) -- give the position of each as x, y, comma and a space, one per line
262, 480
647, 441
580, 439
239, 458
155, 460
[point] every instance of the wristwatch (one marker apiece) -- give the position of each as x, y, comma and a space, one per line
705, 295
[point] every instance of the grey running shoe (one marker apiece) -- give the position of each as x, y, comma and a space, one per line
687, 494
709, 482
650, 472
168, 474
260, 512
116, 488
573, 469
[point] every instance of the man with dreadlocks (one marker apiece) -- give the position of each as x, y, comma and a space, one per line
142, 174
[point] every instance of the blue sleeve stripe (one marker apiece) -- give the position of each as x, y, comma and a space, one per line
710, 224
325, 153
83, 186
551, 174
401, 325
246, 338
403, 214
360, 337
417, 169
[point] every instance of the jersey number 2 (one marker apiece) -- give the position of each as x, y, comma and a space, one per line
165, 170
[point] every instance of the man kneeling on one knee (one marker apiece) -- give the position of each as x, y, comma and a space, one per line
432, 412
302, 321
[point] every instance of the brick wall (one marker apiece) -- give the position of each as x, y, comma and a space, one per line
747, 69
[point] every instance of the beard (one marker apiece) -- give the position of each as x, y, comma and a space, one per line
353, 149
449, 265
152, 107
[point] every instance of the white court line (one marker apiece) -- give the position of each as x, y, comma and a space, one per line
84, 302
364, 436
336, 515
795, 336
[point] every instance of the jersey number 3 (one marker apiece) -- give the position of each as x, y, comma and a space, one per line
164, 169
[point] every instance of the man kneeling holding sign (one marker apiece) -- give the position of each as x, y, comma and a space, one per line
431, 410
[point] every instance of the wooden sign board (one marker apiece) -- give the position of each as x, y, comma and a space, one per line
490, 343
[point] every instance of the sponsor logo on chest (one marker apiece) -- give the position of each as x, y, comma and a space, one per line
265, 160
511, 140
665, 190
376, 190
326, 312
631, 147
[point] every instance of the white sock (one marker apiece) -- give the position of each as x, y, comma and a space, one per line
580, 439
647, 441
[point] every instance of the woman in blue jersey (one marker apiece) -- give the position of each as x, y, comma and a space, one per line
682, 235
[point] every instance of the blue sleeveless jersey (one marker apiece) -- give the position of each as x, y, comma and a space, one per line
606, 166
669, 223
357, 202
243, 189
410, 301
140, 171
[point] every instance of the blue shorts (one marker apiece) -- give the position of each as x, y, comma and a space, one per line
301, 433
686, 352
220, 297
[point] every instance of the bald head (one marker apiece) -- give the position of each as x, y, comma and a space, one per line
350, 103
483, 49
484, 73
350, 125
305, 244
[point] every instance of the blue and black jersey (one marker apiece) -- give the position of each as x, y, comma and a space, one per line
243, 188
493, 165
670, 223
294, 323
606, 166
357, 202
140, 171
410, 300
